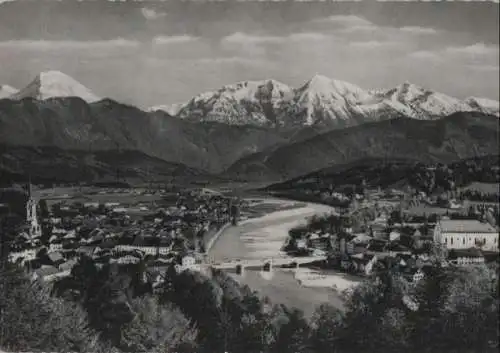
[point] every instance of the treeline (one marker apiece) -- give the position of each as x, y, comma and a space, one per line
101, 310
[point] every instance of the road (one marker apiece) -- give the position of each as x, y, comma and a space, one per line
262, 238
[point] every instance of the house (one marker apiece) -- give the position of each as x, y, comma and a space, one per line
86, 250
68, 265
55, 258
397, 248
44, 272
318, 242
378, 230
465, 234
91, 205
360, 262
126, 260
376, 245
55, 220
394, 235
188, 261
55, 246
24, 255
301, 244
464, 257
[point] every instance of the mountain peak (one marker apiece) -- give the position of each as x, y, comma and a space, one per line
410, 87
325, 86
240, 103
52, 83
6, 91
485, 105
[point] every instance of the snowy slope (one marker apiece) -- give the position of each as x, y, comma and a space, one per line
419, 102
484, 105
171, 109
322, 101
242, 103
51, 84
6, 91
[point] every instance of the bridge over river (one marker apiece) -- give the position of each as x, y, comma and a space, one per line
259, 263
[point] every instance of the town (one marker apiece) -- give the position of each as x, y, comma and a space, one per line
176, 228
385, 229
375, 229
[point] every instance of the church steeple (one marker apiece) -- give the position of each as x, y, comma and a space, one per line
31, 215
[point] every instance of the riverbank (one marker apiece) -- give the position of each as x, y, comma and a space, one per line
212, 236
262, 238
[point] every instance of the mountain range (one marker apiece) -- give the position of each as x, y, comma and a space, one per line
321, 102
257, 129
71, 123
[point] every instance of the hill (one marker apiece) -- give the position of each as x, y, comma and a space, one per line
71, 123
395, 173
458, 136
52, 165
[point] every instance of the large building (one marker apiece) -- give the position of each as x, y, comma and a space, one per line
31, 215
466, 234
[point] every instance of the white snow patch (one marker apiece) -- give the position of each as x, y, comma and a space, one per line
50, 84
6, 91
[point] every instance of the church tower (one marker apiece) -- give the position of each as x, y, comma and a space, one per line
31, 215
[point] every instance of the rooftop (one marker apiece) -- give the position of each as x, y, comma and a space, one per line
471, 252
465, 226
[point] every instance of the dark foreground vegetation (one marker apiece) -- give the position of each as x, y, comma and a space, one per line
119, 310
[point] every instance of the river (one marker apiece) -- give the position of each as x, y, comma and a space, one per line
262, 238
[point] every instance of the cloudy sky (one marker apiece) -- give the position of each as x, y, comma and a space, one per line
151, 52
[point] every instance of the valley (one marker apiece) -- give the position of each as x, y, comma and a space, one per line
249, 176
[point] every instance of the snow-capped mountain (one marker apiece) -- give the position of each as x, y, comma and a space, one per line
418, 102
242, 103
51, 84
171, 109
6, 91
322, 101
484, 105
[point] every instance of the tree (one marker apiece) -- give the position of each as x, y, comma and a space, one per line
326, 323
32, 320
470, 310
157, 328
293, 335
44, 208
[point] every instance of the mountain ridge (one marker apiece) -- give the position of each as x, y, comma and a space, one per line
322, 101
459, 135
72, 123
50, 164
